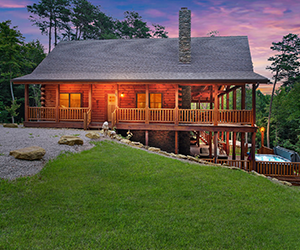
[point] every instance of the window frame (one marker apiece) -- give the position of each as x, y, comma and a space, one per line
161, 94
69, 99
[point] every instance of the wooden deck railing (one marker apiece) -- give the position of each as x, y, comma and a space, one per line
241, 164
130, 114
195, 116
49, 114
290, 169
72, 114
161, 115
187, 116
274, 169
41, 114
235, 116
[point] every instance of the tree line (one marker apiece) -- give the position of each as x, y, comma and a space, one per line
80, 19
59, 20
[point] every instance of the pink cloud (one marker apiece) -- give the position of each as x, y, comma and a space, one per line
273, 11
155, 13
13, 4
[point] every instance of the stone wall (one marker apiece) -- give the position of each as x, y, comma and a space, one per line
165, 140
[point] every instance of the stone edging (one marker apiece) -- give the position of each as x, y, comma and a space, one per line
113, 135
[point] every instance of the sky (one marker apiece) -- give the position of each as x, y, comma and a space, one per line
263, 21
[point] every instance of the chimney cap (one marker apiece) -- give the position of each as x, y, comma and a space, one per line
184, 8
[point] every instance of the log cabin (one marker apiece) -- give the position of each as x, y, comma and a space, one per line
148, 86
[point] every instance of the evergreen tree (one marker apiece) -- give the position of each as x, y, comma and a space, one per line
50, 15
285, 66
133, 26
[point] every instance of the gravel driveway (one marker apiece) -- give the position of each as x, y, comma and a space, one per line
47, 138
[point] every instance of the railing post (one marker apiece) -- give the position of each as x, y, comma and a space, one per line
85, 121
26, 102
216, 108
176, 105
147, 105
57, 104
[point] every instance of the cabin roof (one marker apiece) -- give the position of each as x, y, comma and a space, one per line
213, 58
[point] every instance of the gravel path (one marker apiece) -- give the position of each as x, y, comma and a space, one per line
17, 138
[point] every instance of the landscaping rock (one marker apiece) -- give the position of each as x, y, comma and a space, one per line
153, 149
126, 141
10, 125
93, 135
118, 137
70, 140
180, 156
164, 153
137, 144
29, 153
191, 158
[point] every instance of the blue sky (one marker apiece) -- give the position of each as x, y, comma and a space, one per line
262, 21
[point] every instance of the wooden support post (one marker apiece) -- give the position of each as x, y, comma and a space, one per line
211, 97
57, 103
242, 146
216, 103
234, 99
210, 144
253, 151
147, 105
147, 138
26, 101
233, 146
198, 138
90, 96
85, 121
243, 97
227, 101
176, 105
227, 143
253, 104
176, 142
222, 102
216, 146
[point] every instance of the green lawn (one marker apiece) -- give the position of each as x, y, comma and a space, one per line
117, 197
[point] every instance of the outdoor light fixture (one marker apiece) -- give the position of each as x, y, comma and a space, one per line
262, 131
122, 95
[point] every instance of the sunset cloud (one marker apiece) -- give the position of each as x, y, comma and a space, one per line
263, 21
13, 4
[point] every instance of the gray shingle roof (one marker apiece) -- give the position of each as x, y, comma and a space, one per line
213, 58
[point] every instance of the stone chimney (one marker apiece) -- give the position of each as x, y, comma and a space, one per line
184, 35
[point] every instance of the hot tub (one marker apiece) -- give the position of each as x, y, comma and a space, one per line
263, 157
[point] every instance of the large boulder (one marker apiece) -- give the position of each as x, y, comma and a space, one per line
70, 140
10, 125
29, 153
93, 135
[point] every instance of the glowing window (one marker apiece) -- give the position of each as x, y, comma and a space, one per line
155, 100
70, 100
141, 101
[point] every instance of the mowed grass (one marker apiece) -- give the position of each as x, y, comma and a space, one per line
117, 197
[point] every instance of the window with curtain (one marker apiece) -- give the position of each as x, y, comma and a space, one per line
155, 100
70, 100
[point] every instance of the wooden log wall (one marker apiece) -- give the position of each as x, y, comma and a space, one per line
99, 100
50, 95
130, 93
